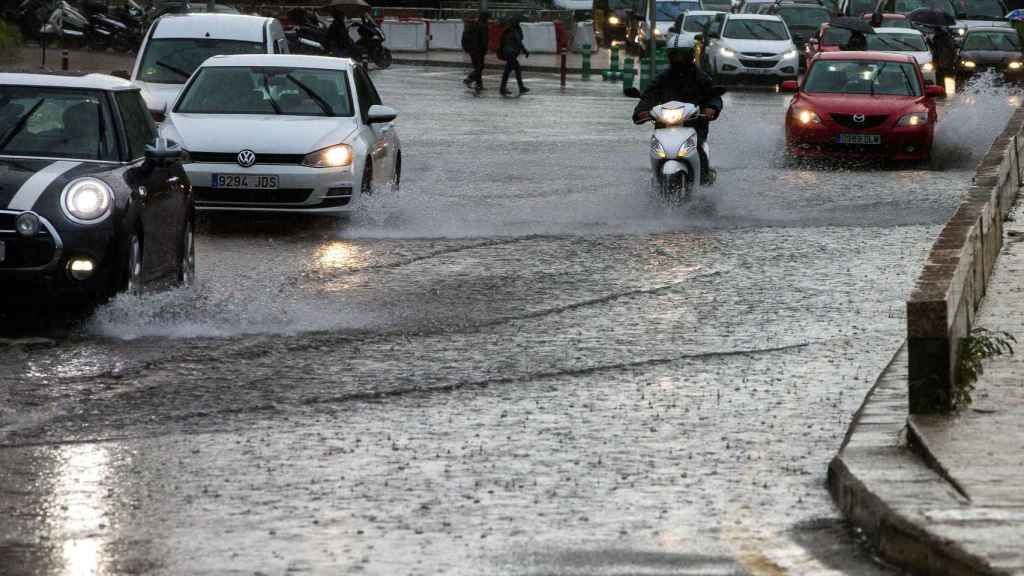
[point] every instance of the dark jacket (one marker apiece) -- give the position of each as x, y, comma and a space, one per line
339, 42
690, 85
478, 37
511, 45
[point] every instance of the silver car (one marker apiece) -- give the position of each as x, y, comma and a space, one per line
284, 133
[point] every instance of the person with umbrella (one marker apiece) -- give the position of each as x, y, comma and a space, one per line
937, 24
339, 42
859, 29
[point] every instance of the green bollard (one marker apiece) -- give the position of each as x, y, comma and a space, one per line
586, 61
628, 73
615, 72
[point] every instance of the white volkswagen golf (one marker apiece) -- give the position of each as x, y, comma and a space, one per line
283, 133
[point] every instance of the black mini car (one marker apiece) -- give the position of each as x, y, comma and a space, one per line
92, 203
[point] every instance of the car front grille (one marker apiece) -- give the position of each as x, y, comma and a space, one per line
232, 158
758, 54
847, 121
21, 252
759, 63
228, 196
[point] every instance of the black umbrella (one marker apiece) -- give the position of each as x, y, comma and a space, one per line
931, 17
853, 24
349, 7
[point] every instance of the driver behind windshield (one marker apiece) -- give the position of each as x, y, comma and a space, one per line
683, 82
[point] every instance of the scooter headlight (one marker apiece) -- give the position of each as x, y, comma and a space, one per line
614, 20
969, 64
87, 200
657, 149
670, 117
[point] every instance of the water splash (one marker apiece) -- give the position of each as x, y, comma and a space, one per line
969, 125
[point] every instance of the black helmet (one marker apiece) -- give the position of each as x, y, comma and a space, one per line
680, 50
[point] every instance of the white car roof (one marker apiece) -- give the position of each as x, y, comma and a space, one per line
77, 81
284, 60
898, 31
220, 26
748, 16
703, 13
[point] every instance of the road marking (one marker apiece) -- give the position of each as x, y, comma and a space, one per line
33, 188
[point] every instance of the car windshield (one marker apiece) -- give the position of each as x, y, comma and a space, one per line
667, 11
982, 10
909, 42
858, 7
907, 6
621, 4
267, 90
56, 122
754, 7
804, 16
992, 41
755, 30
836, 37
860, 77
173, 60
696, 23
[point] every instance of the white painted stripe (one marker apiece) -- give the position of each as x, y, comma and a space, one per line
34, 187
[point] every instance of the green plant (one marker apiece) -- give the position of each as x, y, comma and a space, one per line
10, 38
974, 349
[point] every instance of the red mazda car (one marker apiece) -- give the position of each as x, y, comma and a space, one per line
862, 104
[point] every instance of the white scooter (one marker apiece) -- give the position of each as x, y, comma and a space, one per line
675, 160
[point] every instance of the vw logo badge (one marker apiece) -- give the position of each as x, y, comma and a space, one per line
858, 118
246, 158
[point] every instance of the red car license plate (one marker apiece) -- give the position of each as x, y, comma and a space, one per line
860, 139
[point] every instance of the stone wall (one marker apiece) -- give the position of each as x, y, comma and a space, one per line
941, 308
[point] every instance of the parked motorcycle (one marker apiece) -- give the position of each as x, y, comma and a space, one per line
108, 31
371, 42
305, 32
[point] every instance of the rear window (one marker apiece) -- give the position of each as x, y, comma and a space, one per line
56, 122
173, 60
273, 90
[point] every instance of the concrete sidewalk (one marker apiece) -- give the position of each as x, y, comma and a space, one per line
945, 494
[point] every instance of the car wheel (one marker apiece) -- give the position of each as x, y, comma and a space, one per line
133, 268
187, 263
367, 185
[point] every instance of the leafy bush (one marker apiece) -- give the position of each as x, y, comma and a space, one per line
10, 38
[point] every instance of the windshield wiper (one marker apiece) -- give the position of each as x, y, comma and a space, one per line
20, 124
767, 28
270, 97
174, 69
316, 97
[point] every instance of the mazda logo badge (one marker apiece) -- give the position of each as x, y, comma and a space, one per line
246, 158
858, 118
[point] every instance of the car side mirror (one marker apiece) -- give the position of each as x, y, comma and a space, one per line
631, 92
934, 91
789, 86
121, 74
380, 114
163, 152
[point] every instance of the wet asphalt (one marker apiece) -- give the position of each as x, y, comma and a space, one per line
519, 363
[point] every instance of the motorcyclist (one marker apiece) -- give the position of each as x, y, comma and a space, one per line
684, 82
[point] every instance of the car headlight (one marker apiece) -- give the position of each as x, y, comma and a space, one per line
928, 67
788, 55
656, 148
1015, 65
657, 32
331, 157
961, 31
687, 146
87, 200
805, 116
913, 119
614, 20
726, 52
967, 64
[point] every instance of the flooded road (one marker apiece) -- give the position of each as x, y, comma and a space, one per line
516, 364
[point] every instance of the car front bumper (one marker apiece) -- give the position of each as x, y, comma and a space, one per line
740, 66
904, 143
300, 189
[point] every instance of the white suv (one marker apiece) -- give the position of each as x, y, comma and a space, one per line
177, 44
753, 46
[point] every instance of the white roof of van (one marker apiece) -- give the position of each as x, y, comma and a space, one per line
898, 31
219, 26
283, 60
748, 16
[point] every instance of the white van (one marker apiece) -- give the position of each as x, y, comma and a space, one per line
177, 44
